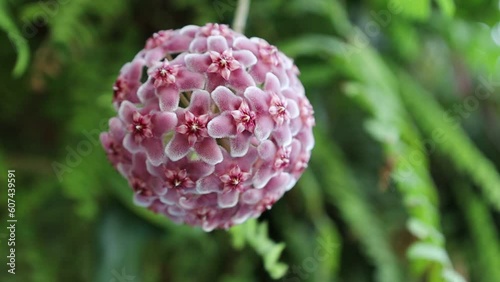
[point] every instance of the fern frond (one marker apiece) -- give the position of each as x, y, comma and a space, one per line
453, 141
375, 89
256, 236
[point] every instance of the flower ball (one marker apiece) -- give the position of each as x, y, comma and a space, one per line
212, 127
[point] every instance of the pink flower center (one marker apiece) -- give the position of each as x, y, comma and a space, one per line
278, 110
178, 179
120, 89
140, 127
165, 74
244, 117
223, 63
282, 159
140, 187
234, 179
195, 127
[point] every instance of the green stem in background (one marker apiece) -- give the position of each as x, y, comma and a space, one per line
482, 232
184, 100
310, 188
241, 15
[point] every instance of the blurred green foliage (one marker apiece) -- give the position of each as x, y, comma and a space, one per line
403, 184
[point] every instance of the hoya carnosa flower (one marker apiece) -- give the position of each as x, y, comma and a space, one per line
224, 63
212, 127
127, 83
191, 133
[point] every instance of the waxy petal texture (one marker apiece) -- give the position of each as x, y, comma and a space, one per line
212, 128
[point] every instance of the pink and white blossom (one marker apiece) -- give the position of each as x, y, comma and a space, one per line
217, 133
191, 131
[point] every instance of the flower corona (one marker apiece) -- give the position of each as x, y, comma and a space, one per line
212, 127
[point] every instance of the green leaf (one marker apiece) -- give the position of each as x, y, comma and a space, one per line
428, 252
238, 234
423, 230
256, 236
271, 264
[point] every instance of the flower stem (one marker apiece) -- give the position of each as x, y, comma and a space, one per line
240, 18
184, 100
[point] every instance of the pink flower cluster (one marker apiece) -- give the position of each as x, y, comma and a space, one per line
218, 130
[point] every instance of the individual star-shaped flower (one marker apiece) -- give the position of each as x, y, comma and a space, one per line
127, 83
164, 74
268, 53
164, 42
112, 142
270, 60
191, 131
141, 181
236, 120
176, 179
273, 110
230, 178
297, 162
224, 66
167, 81
146, 127
277, 160
199, 43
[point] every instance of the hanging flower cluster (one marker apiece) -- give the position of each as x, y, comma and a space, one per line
212, 127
